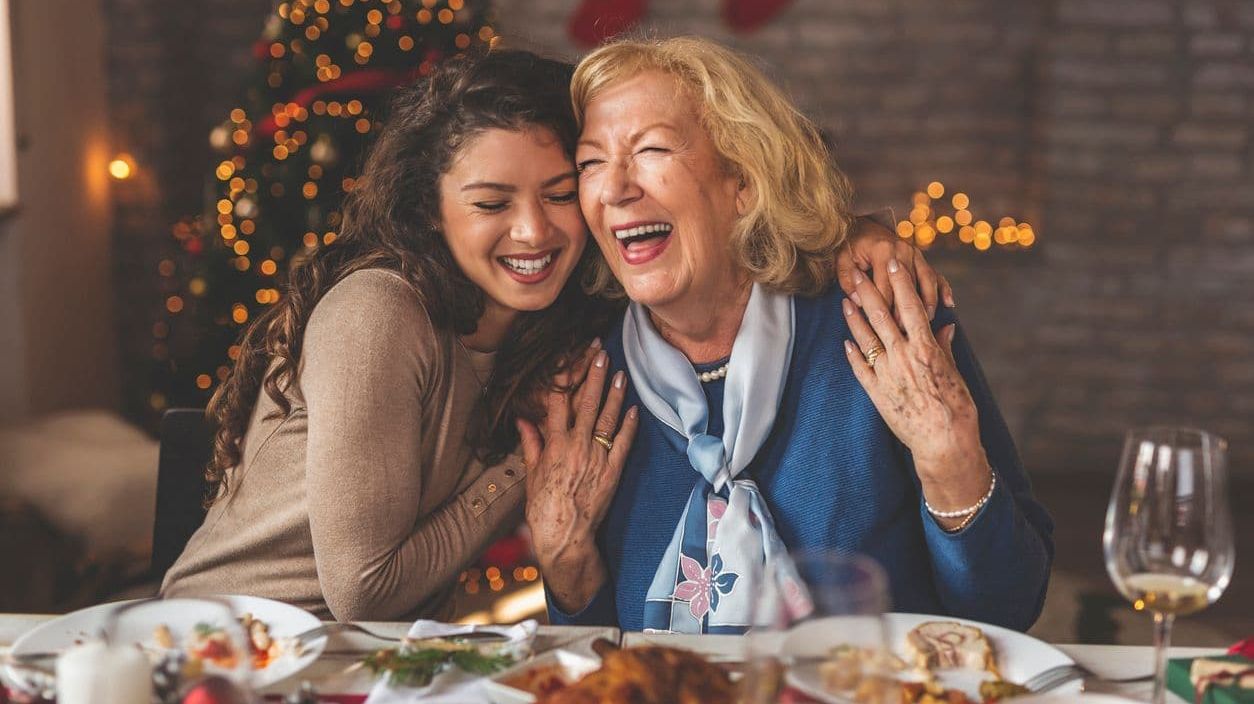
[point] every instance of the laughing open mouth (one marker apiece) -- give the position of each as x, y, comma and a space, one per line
641, 236
641, 242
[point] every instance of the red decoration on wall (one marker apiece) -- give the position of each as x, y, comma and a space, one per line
750, 15
595, 21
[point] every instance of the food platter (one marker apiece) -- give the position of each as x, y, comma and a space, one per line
139, 621
1018, 657
521, 684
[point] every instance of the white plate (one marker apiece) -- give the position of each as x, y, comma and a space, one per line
1019, 657
181, 616
1087, 697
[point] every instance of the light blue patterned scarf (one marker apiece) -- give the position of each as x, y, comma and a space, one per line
726, 534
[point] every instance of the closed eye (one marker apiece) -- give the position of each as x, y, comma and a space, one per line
563, 198
494, 206
586, 164
659, 150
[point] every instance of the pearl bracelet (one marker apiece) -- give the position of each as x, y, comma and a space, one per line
970, 510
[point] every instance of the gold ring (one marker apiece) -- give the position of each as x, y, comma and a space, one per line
873, 354
604, 441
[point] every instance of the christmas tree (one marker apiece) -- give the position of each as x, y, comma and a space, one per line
289, 152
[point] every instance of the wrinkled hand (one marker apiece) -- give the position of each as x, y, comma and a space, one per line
871, 246
571, 478
914, 382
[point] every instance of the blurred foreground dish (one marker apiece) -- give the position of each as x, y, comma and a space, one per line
648, 675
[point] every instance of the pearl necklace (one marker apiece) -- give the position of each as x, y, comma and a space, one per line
713, 374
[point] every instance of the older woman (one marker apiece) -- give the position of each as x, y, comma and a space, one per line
774, 414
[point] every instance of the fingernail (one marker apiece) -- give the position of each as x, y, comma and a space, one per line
596, 343
893, 266
618, 380
858, 278
846, 306
632, 412
931, 312
949, 300
601, 359
848, 347
856, 298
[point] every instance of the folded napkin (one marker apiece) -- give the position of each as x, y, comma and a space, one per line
453, 685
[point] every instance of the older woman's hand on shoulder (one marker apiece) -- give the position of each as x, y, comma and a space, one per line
913, 380
871, 246
573, 465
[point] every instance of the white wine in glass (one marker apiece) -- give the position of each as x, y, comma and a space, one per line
1168, 537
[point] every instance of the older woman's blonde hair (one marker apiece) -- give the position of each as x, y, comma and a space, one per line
799, 212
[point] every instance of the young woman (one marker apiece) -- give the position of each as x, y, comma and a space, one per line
365, 451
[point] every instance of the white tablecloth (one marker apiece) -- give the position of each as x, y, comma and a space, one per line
1114, 661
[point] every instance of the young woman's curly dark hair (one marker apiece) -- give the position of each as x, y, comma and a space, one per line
392, 221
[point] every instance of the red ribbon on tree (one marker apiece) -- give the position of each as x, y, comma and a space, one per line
356, 83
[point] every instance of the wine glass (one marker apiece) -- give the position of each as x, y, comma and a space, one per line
1168, 537
810, 603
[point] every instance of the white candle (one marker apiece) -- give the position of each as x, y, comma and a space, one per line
95, 673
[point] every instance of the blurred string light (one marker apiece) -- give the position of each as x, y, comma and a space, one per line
286, 156
122, 166
933, 219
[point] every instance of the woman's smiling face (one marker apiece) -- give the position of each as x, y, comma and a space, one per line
657, 196
510, 215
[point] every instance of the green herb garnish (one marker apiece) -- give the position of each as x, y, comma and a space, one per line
205, 629
407, 667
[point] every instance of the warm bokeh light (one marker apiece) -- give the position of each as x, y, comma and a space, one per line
924, 235
122, 167
926, 222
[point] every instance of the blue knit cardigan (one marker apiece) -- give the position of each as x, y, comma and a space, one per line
835, 477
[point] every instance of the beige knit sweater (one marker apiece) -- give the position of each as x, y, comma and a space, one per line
365, 503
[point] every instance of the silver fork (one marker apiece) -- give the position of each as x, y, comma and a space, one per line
1056, 677
303, 640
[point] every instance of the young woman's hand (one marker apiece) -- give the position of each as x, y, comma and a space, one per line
573, 465
871, 246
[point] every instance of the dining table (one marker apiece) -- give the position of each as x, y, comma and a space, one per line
335, 671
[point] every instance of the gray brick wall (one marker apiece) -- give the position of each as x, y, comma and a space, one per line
1121, 129
175, 70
